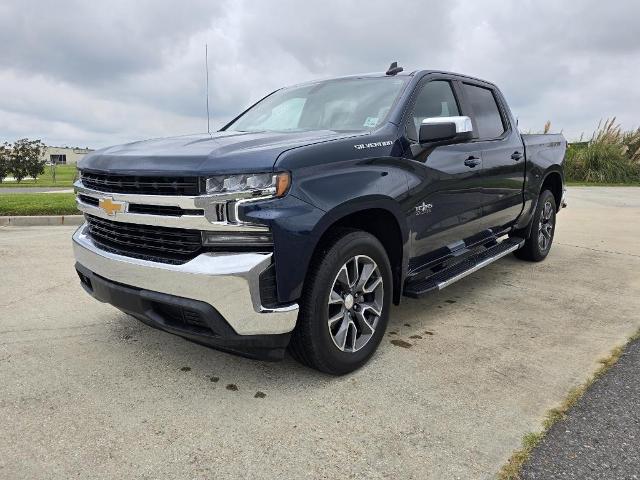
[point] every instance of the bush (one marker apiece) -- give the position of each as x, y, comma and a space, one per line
611, 156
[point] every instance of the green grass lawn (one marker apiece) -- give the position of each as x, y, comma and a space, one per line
65, 175
38, 204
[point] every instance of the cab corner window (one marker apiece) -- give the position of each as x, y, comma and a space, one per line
486, 112
435, 99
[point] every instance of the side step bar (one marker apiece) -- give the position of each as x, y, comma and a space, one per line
449, 275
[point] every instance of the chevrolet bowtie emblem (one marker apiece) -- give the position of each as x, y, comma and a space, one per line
111, 207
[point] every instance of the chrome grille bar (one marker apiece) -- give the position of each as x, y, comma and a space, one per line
215, 209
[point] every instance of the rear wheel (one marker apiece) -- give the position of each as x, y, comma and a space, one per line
345, 304
538, 244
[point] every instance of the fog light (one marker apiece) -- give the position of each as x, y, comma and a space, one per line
237, 239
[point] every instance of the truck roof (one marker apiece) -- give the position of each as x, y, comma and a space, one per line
401, 74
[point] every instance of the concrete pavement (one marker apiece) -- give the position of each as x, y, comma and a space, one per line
89, 392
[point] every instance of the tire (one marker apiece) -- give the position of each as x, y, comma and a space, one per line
339, 327
538, 244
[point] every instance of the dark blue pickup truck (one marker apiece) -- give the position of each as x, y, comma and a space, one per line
300, 221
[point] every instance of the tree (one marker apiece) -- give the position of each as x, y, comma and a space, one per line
26, 159
5, 160
54, 164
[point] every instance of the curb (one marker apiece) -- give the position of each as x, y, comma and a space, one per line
41, 220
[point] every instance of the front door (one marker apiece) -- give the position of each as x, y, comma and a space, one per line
445, 182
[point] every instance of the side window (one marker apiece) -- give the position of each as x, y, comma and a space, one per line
485, 110
436, 99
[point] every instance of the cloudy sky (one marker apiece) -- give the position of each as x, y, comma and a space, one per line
95, 73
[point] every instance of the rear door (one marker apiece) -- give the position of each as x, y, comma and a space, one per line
502, 155
445, 184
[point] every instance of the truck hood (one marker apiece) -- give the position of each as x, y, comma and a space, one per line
203, 154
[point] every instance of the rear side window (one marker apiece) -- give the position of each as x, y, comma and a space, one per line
485, 109
436, 99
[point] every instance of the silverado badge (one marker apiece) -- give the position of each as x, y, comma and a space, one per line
362, 146
111, 207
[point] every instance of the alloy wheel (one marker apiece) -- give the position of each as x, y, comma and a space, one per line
545, 226
355, 303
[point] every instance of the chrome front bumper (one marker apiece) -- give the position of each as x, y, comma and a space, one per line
229, 282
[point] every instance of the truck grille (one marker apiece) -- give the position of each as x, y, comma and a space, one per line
107, 182
159, 244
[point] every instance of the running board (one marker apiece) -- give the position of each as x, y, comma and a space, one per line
449, 275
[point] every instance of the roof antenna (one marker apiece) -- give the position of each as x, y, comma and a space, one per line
206, 65
394, 69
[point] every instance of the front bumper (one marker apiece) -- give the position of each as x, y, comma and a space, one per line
226, 282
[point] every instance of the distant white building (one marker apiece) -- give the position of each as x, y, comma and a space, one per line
64, 155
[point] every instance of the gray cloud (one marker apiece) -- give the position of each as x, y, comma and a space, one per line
96, 42
98, 73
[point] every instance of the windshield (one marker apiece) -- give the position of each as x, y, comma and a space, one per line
345, 104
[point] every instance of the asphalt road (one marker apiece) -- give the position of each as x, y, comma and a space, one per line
88, 392
600, 437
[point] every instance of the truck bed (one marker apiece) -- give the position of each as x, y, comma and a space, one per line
548, 148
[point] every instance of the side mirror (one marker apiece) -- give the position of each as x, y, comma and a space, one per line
449, 129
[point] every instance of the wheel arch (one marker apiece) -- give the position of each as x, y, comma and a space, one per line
553, 182
380, 220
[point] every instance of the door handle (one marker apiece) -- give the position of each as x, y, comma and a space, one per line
516, 156
472, 161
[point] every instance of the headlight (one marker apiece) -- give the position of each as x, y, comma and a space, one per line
261, 184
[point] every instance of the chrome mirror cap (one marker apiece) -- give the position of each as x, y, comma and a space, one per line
463, 123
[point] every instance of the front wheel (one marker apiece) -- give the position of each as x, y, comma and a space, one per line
345, 304
537, 245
